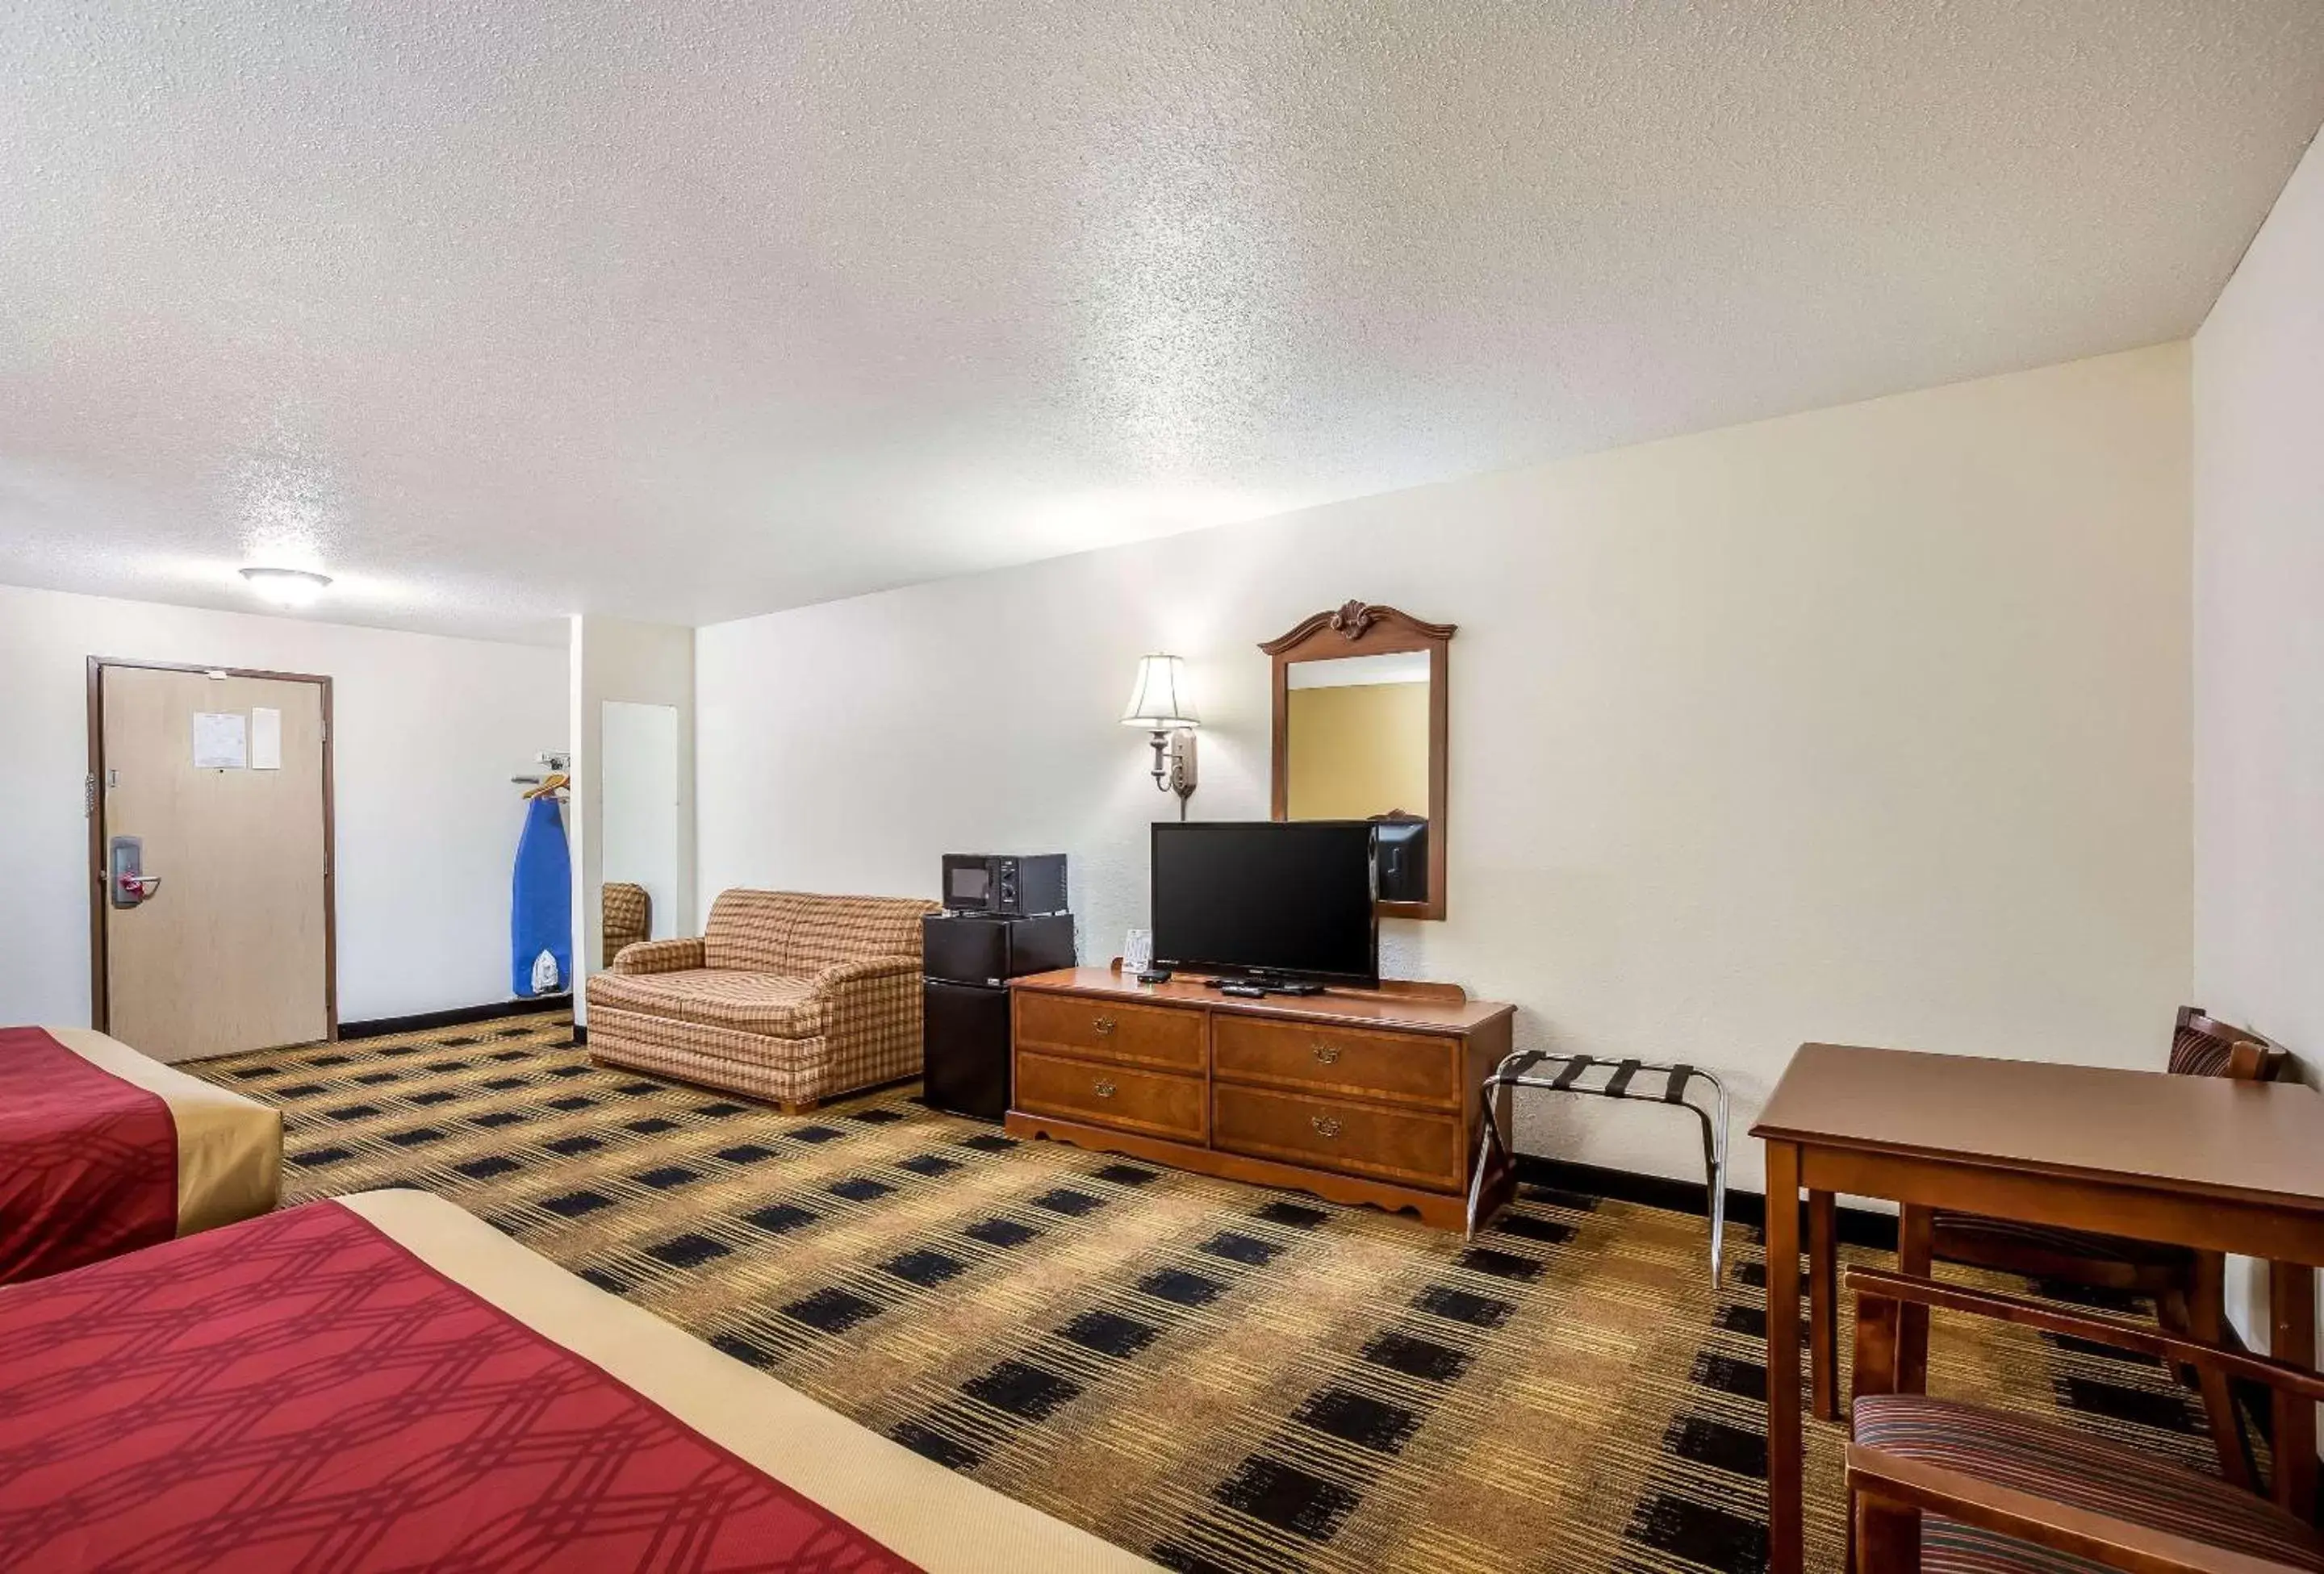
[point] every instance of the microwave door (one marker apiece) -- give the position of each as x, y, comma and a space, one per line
968, 885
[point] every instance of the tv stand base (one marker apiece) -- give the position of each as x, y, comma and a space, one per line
1256, 987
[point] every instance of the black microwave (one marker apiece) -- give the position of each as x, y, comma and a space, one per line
1004, 885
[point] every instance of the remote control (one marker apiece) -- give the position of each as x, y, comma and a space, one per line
1243, 991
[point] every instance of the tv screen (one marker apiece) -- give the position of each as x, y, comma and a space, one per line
1267, 897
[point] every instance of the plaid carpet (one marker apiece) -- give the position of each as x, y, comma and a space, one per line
1218, 1377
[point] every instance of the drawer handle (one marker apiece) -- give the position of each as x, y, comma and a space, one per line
1327, 1053
1103, 1089
1103, 1025
1324, 1125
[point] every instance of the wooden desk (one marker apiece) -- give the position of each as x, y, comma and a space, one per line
2195, 1161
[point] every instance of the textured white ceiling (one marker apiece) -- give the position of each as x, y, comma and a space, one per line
692, 310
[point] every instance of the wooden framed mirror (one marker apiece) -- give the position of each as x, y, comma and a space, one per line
1359, 734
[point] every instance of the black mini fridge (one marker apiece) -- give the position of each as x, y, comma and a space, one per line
967, 961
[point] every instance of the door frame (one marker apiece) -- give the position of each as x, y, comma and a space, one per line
99, 1008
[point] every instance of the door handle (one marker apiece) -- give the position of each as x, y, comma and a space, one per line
1105, 1024
1103, 1088
1327, 1053
1324, 1125
128, 884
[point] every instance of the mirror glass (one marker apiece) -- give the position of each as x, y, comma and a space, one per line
1356, 747
637, 780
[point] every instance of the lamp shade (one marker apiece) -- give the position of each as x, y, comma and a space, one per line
1159, 701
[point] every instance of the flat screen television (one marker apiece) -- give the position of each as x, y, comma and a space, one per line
1289, 899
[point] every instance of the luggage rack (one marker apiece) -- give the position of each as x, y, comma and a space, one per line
1667, 1084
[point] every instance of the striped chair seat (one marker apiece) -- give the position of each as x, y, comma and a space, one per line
1971, 1230
1949, 1547
2072, 1468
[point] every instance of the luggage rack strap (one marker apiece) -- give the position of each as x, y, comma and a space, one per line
1517, 1065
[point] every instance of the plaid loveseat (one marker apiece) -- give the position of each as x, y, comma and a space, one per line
786, 997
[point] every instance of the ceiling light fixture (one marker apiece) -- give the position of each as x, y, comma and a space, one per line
288, 587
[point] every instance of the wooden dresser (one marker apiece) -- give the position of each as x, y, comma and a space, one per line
1358, 1096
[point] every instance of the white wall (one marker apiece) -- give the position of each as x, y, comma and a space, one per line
2259, 622
429, 731
636, 778
2259, 643
645, 664
1869, 724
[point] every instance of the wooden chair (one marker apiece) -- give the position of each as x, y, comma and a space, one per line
1941, 1487
2188, 1287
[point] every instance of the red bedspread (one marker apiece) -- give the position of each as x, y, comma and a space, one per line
89, 1164
299, 1391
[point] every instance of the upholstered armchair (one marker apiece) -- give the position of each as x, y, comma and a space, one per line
788, 997
626, 912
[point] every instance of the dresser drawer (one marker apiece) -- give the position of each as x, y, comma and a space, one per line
1152, 1102
1356, 1139
1406, 1068
1150, 1035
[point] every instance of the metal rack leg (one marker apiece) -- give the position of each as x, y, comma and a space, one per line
1719, 1192
1711, 1188
1488, 1140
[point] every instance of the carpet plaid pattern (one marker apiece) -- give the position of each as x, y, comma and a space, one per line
1218, 1377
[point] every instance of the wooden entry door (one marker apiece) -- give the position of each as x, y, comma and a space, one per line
231, 947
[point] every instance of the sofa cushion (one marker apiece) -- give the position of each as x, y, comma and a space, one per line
797, 935
747, 1002
2078, 1469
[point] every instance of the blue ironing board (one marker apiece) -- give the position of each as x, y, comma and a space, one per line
541, 910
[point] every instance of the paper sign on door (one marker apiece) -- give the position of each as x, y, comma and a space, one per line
219, 742
265, 738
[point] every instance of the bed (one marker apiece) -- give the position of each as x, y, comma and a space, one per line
103, 1150
382, 1381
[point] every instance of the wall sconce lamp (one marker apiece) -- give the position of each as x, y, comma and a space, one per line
1160, 703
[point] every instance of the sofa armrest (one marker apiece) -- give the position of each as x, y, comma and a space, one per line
659, 956
856, 969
